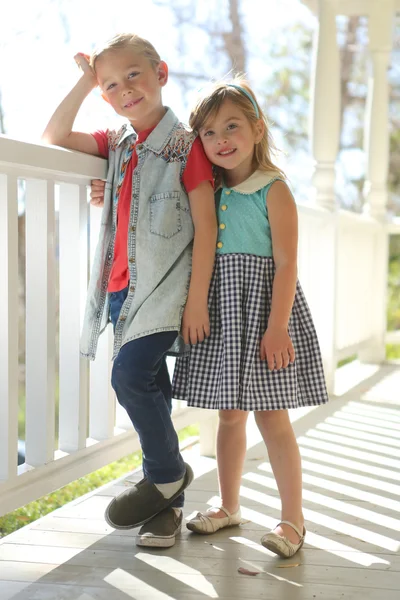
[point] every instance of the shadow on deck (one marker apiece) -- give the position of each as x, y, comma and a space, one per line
351, 465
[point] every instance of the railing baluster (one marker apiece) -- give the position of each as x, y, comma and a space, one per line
73, 285
8, 327
40, 322
102, 397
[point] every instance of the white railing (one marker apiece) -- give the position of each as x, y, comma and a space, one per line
341, 266
61, 234
343, 270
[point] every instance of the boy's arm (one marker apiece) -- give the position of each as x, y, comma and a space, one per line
59, 129
195, 322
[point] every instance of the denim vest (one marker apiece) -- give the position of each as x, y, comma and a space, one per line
160, 237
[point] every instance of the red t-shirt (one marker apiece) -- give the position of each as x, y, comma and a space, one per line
198, 168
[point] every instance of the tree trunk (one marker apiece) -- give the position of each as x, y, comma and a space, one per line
234, 40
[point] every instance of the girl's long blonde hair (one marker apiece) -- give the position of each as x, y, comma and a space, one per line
208, 106
128, 40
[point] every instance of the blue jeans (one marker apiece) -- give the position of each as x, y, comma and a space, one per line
141, 381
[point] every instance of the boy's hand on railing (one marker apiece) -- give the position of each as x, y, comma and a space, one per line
195, 322
277, 348
97, 192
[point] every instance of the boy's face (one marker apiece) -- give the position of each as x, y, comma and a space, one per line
132, 84
229, 138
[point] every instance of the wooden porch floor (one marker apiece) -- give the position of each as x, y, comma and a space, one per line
351, 464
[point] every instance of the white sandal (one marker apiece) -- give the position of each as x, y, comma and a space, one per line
203, 523
280, 544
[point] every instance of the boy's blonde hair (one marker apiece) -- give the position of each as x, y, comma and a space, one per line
208, 106
128, 40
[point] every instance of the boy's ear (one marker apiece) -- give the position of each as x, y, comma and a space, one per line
162, 73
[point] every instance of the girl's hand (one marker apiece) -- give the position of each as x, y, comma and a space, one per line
276, 348
97, 187
82, 60
195, 322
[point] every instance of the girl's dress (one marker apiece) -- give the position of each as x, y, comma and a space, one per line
226, 371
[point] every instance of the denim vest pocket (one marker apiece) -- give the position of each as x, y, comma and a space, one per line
165, 217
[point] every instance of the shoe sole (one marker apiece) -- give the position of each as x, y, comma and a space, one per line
274, 548
202, 532
158, 542
189, 475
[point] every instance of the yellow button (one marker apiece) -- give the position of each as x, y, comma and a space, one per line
224, 207
222, 226
219, 245
227, 192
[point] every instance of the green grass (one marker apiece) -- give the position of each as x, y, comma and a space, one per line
393, 351
346, 361
45, 505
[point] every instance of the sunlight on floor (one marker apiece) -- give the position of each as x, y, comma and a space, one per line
352, 464
349, 431
134, 587
386, 391
338, 505
351, 375
178, 570
327, 544
335, 486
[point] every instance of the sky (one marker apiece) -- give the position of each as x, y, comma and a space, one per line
39, 38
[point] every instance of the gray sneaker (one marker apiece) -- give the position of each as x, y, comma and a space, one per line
141, 502
161, 530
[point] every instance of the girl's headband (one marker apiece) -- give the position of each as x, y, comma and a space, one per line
249, 96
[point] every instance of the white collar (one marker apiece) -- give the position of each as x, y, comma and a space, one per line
256, 181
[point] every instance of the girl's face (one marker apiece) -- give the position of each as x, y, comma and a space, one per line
229, 138
132, 85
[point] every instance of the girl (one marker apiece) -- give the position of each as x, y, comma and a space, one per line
262, 354
153, 263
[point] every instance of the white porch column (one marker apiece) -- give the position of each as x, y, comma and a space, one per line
376, 136
325, 105
376, 141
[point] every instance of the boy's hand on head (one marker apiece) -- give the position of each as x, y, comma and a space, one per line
195, 322
276, 348
97, 187
82, 60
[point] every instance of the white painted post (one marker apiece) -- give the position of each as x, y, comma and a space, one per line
8, 327
376, 137
317, 258
376, 141
73, 235
102, 396
324, 135
325, 105
40, 322
208, 435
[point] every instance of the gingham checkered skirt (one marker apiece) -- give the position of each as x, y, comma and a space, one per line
225, 371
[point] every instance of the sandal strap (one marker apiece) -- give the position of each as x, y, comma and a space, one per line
208, 520
296, 529
226, 511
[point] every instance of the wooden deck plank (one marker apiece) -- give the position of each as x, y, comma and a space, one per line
351, 504
213, 578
